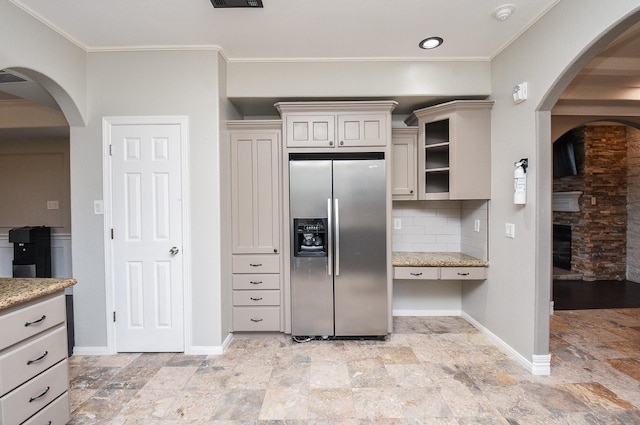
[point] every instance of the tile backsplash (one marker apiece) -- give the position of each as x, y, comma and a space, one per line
441, 226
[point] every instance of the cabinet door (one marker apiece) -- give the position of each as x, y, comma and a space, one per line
454, 153
255, 196
309, 131
362, 130
403, 156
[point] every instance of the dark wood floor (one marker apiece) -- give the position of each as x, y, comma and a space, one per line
582, 295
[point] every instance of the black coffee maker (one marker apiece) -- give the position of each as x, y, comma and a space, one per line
31, 251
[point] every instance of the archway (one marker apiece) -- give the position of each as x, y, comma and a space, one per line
61, 96
36, 143
544, 148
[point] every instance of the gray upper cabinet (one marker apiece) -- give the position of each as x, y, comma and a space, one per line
404, 142
454, 150
255, 183
335, 125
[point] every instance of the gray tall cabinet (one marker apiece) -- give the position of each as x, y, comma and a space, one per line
255, 154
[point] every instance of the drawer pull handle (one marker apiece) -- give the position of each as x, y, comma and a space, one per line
38, 359
256, 320
255, 265
256, 299
32, 399
463, 274
35, 322
416, 274
255, 282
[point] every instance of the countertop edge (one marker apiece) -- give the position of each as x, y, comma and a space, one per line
17, 291
436, 259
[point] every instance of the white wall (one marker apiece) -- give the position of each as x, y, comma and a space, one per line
514, 302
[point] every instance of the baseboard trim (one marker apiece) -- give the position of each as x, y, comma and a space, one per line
540, 364
91, 351
426, 313
211, 349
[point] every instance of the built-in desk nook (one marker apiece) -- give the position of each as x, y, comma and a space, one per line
438, 266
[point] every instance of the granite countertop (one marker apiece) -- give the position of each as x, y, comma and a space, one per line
436, 259
16, 291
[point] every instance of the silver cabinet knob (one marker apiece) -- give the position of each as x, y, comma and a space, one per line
174, 250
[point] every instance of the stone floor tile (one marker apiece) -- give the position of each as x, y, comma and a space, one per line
432, 370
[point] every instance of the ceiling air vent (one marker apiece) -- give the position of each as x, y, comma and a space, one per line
236, 3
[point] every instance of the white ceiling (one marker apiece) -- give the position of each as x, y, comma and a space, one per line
336, 29
293, 29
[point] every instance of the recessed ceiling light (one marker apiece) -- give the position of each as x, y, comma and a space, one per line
431, 43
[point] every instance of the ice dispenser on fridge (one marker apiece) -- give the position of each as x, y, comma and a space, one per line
310, 237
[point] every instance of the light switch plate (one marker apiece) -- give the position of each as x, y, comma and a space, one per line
98, 207
397, 223
476, 225
510, 230
52, 205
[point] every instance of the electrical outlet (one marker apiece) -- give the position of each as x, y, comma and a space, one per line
476, 225
510, 230
397, 223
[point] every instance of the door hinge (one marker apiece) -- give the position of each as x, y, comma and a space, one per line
112, 233
114, 316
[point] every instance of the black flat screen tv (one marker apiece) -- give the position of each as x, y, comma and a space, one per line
564, 158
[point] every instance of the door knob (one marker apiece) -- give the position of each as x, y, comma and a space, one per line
174, 250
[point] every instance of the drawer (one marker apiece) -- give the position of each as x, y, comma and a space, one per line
258, 319
252, 298
28, 321
57, 413
32, 396
463, 273
30, 358
425, 273
256, 281
256, 264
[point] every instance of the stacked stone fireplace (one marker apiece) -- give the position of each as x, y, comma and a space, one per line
598, 230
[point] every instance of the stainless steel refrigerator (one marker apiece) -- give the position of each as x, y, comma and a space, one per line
338, 251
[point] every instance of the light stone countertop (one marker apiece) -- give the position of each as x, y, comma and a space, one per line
436, 259
16, 291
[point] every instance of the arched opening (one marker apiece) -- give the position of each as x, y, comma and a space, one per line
35, 114
586, 93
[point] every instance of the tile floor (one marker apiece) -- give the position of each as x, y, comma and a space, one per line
431, 370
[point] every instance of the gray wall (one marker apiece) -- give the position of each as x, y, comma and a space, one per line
157, 92
514, 302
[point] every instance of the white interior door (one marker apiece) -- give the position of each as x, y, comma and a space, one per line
147, 237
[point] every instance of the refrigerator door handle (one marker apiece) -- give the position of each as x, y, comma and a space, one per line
329, 239
337, 244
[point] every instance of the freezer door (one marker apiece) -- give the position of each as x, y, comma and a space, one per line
311, 277
361, 294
